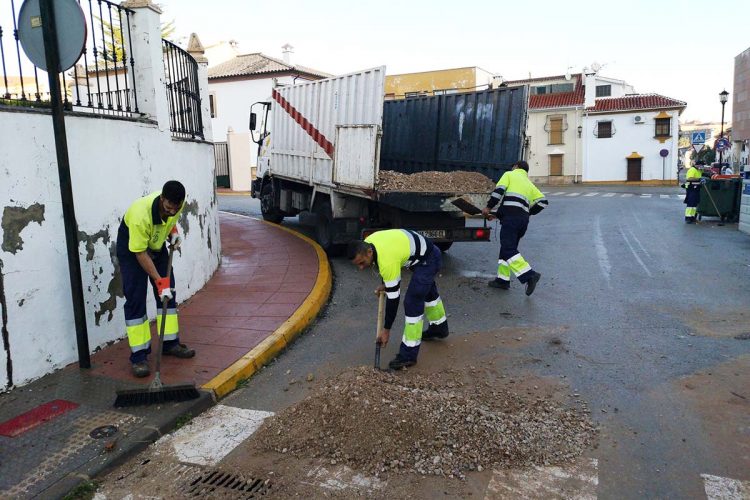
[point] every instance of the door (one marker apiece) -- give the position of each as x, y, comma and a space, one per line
555, 164
634, 169
221, 160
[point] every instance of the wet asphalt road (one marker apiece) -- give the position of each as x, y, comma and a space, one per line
638, 301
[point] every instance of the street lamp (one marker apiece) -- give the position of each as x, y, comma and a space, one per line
723, 95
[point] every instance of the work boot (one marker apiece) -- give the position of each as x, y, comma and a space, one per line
434, 332
141, 369
531, 284
498, 283
399, 363
179, 351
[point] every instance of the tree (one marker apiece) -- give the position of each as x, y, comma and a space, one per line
708, 155
112, 50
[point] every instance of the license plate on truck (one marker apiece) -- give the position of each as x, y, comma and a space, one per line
433, 234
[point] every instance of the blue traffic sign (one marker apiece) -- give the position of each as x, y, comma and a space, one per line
698, 137
722, 144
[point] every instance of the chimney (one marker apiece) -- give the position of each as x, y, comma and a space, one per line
589, 98
287, 50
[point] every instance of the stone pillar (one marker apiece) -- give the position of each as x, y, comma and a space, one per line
239, 145
195, 49
149, 79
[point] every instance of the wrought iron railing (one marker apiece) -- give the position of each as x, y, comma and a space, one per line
183, 92
101, 82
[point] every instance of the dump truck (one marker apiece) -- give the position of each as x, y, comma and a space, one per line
330, 139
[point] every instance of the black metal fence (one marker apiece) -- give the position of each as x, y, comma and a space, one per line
183, 92
101, 82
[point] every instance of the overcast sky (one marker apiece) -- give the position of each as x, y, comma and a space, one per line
681, 49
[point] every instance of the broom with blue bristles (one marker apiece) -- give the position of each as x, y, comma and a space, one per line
157, 392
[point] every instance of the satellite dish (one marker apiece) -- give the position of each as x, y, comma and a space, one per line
596, 67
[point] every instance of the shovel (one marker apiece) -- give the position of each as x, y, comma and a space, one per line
381, 311
721, 219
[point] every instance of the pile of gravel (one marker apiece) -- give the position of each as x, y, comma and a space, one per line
435, 182
380, 423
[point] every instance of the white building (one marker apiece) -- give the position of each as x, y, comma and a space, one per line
632, 138
568, 139
555, 123
234, 85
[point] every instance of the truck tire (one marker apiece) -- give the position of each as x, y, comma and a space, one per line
444, 245
324, 227
270, 212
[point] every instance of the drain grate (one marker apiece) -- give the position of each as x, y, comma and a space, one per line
218, 484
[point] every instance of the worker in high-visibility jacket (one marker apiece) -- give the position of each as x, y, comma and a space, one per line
142, 253
389, 251
516, 198
692, 187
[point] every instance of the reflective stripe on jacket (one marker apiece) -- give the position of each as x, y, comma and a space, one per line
517, 195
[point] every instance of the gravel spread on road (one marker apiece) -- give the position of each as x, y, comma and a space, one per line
435, 182
443, 424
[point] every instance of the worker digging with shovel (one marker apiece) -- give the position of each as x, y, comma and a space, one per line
389, 251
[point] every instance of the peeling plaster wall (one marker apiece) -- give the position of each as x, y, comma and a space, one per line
112, 163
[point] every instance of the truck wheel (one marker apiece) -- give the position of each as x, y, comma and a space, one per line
444, 245
267, 208
324, 230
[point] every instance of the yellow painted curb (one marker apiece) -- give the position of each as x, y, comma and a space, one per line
244, 368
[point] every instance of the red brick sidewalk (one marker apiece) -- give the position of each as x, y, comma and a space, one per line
266, 273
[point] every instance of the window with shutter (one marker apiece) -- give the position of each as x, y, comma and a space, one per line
604, 130
556, 130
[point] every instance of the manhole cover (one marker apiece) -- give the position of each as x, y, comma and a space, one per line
103, 432
222, 484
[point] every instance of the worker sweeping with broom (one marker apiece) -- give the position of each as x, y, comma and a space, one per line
143, 256
389, 251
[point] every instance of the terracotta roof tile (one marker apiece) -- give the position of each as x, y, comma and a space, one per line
258, 64
559, 100
634, 102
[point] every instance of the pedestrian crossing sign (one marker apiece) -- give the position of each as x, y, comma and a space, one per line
698, 137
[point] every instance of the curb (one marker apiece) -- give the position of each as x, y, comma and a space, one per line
245, 367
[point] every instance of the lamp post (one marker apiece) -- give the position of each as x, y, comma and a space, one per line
723, 95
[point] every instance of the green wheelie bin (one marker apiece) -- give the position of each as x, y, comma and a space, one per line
720, 198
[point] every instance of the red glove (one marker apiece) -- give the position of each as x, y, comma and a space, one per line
163, 288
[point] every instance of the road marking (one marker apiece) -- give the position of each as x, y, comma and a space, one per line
578, 480
342, 478
214, 434
681, 196
558, 193
476, 274
637, 240
645, 195
724, 488
591, 194
601, 251
627, 195
573, 194
632, 250
609, 195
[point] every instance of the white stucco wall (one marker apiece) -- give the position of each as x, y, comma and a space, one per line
233, 101
540, 149
112, 163
604, 159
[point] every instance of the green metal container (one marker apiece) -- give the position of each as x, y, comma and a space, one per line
721, 198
